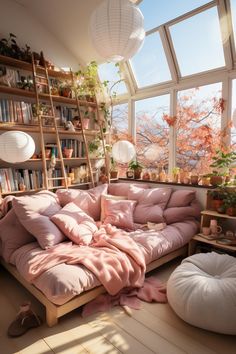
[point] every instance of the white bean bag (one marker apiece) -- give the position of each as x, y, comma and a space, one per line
202, 291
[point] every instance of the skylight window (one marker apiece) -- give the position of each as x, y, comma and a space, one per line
197, 43
110, 72
158, 12
150, 64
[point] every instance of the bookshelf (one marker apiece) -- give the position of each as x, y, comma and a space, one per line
18, 111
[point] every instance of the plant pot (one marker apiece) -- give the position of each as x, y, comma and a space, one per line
67, 153
86, 123
194, 180
216, 180
137, 173
130, 174
216, 204
231, 211
113, 174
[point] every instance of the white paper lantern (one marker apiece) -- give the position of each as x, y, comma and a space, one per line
117, 30
123, 151
16, 146
234, 118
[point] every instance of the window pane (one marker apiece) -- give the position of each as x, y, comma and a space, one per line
233, 13
120, 121
152, 132
197, 43
110, 72
158, 12
233, 129
150, 64
198, 127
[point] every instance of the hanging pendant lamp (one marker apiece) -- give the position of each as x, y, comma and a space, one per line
117, 30
16, 146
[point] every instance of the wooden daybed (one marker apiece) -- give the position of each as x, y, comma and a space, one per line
53, 312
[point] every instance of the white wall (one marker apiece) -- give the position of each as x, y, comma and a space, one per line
16, 19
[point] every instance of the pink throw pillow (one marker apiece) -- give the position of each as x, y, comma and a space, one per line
119, 213
178, 214
12, 235
121, 189
150, 203
34, 212
106, 197
89, 201
75, 224
181, 198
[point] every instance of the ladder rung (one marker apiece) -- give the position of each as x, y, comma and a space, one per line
56, 178
48, 116
42, 83
50, 145
40, 76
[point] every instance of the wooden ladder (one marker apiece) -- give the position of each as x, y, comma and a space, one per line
47, 173
82, 131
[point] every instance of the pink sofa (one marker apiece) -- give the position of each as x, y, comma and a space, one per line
45, 224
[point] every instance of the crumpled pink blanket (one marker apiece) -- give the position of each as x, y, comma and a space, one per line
114, 258
152, 290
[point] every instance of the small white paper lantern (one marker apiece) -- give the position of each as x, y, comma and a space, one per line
16, 146
123, 151
117, 29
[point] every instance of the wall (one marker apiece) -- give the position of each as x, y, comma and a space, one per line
16, 19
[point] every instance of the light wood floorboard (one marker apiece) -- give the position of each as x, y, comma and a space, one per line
153, 329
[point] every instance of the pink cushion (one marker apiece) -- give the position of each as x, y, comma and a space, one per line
151, 203
178, 214
106, 197
34, 212
181, 198
119, 213
75, 224
12, 235
89, 201
121, 189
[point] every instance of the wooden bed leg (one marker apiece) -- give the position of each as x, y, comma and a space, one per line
51, 318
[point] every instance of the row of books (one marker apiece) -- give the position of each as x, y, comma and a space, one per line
16, 111
77, 146
12, 180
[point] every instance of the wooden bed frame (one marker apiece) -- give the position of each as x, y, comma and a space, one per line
53, 312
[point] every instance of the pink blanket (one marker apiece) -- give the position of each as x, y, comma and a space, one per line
115, 259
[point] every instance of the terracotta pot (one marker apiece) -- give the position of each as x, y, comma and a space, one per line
114, 174
216, 204
67, 153
216, 180
130, 174
194, 180
231, 211
137, 173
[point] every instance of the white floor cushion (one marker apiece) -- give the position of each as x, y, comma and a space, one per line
202, 291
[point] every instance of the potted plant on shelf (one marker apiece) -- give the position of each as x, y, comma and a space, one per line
113, 169
217, 198
137, 168
175, 174
221, 165
230, 204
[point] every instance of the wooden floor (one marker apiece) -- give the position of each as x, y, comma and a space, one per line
153, 329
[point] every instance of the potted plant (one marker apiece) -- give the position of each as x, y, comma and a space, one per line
113, 169
175, 174
217, 198
230, 204
137, 168
221, 165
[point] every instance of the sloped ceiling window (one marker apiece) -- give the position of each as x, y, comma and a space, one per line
149, 65
198, 127
152, 131
158, 12
197, 43
110, 72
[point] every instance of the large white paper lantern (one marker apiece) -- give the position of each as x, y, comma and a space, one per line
123, 151
117, 30
16, 146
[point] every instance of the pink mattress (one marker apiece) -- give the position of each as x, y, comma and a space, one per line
62, 282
